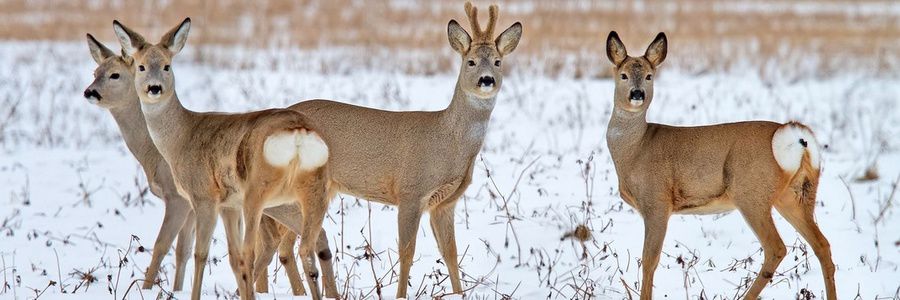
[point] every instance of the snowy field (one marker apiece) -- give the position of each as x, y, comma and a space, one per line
74, 216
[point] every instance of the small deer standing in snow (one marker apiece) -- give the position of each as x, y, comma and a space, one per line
266, 161
748, 166
419, 160
113, 89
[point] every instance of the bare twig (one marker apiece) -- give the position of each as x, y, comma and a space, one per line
58, 271
509, 216
852, 199
628, 289
887, 203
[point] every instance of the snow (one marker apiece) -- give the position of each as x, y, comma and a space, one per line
75, 201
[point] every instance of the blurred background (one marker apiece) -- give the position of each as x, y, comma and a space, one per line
779, 38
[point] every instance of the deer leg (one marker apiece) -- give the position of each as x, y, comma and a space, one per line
290, 216
286, 257
313, 206
408, 217
265, 248
253, 202
206, 214
759, 218
656, 222
183, 250
443, 227
176, 213
801, 216
231, 218
325, 261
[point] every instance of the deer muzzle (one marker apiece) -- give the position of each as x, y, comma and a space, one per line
636, 97
154, 91
486, 82
92, 95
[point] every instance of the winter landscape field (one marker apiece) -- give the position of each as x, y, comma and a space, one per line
77, 220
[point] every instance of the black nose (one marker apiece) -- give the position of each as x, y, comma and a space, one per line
154, 89
88, 93
485, 81
636, 95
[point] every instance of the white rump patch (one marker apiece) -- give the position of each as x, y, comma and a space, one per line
280, 148
788, 144
283, 147
313, 151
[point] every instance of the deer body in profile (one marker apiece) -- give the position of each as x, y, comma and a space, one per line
113, 89
747, 166
236, 165
419, 161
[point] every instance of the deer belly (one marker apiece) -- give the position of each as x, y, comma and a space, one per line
442, 193
703, 205
280, 200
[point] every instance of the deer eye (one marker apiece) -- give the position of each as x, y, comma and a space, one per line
471, 63
649, 77
166, 68
497, 62
141, 68
624, 77
114, 76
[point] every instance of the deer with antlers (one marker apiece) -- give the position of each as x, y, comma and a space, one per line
233, 164
747, 166
423, 160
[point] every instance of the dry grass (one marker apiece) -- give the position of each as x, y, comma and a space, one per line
800, 39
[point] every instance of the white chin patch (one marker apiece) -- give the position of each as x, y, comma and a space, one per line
636, 102
153, 96
486, 88
93, 100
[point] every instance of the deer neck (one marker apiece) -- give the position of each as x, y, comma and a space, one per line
467, 118
133, 128
625, 134
166, 123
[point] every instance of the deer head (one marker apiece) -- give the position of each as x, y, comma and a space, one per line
153, 77
482, 55
113, 80
634, 75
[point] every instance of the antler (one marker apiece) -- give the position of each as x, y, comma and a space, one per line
472, 12
492, 21
479, 34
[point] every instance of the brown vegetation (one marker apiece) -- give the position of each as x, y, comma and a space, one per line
561, 37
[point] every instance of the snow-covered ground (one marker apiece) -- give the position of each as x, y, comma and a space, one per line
71, 204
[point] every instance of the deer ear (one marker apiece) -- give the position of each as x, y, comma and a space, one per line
656, 52
98, 51
175, 39
459, 38
127, 59
615, 50
131, 41
509, 39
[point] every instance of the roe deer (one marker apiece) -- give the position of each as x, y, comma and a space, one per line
231, 163
418, 160
113, 89
748, 166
